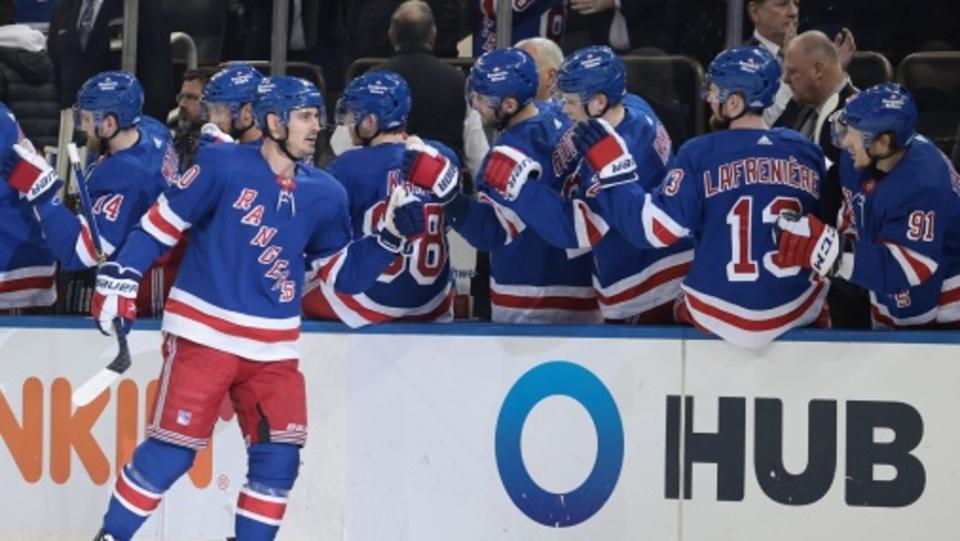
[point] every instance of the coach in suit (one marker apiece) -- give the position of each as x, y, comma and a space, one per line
814, 72
85, 38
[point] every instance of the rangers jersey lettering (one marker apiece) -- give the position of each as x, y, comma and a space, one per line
531, 281
629, 282
907, 230
253, 236
726, 191
415, 286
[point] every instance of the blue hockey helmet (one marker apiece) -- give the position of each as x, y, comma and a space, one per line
281, 94
884, 108
234, 86
501, 74
116, 93
592, 70
750, 71
381, 93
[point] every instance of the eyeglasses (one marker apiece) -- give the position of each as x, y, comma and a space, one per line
187, 96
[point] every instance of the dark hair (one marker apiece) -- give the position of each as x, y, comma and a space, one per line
411, 25
199, 74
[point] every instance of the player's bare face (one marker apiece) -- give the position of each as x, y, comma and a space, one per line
219, 114
303, 127
718, 121
88, 127
573, 107
852, 142
484, 106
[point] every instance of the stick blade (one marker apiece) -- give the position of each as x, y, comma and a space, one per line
90, 390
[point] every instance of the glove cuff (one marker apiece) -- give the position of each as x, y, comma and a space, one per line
390, 241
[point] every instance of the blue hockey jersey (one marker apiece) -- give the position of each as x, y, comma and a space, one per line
907, 230
726, 191
27, 267
122, 187
252, 237
531, 18
415, 286
629, 282
531, 281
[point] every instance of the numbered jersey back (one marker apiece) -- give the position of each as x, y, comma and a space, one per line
731, 187
417, 285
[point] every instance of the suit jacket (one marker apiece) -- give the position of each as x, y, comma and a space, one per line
830, 194
434, 87
73, 65
849, 304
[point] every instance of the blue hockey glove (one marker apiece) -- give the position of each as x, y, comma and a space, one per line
115, 297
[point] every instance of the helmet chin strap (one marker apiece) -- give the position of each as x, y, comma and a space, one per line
366, 141
282, 143
237, 132
105, 141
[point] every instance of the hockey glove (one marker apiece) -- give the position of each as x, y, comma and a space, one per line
31, 175
427, 168
807, 242
606, 152
508, 170
115, 297
401, 220
210, 134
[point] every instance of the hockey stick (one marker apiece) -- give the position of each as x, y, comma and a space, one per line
107, 375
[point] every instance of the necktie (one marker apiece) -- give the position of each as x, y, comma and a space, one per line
85, 23
809, 125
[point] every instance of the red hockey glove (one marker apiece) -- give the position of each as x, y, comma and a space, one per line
427, 168
28, 173
606, 152
508, 170
807, 242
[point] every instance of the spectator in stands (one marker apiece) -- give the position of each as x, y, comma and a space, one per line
813, 70
548, 57
85, 37
626, 25
26, 80
545, 18
775, 23
189, 119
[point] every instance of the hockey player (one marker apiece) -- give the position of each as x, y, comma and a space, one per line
531, 281
135, 164
632, 285
227, 104
726, 191
27, 267
417, 286
900, 216
531, 18
259, 219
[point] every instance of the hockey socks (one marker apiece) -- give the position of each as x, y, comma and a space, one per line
140, 486
272, 469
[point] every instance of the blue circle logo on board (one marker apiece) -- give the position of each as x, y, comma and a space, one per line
574, 381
